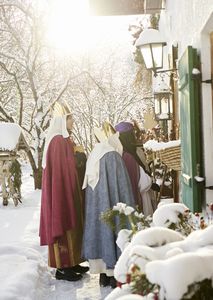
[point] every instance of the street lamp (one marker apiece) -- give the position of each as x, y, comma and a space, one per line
163, 98
151, 43
163, 105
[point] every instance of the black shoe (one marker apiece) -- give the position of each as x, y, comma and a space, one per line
62, 274
112, 282
79, 269
104, 280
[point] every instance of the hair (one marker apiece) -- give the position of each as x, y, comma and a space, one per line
128, 141
68, 116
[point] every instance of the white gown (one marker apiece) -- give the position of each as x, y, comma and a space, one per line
144, 185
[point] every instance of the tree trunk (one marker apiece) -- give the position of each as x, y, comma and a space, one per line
37, 174
37, 171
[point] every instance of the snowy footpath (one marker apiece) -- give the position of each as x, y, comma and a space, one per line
24, 272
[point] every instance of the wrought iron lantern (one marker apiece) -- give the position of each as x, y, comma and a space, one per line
151, 46
163, 105
151, 43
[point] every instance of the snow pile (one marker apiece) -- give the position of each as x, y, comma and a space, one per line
22, 270
123, 238
155, 237
157, 146
25, 274
175, 274
9, 136
168, 213
119, 292
166, 257
123, 208
131, 297
142, 249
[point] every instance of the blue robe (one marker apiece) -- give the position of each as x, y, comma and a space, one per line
99, 241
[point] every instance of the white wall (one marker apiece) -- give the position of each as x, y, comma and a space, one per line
189, 22
183, 21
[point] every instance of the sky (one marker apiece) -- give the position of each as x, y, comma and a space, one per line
70, 28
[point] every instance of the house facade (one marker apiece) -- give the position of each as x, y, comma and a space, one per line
188, 27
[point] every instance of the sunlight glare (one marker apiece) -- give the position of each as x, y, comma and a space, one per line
67, 27
71, 30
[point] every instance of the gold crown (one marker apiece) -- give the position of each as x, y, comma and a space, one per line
104, 132
108, 129
60, 109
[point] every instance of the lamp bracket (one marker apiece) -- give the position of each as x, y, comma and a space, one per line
207, 81
198, 76
171, 71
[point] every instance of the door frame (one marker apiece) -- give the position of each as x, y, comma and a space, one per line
207, 105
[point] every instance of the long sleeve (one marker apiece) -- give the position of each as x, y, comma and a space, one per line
145, 181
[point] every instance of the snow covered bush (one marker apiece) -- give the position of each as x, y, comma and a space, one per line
171, 259
175, 216
124, 214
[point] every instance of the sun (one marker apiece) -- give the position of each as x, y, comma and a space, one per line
71, 30
68, 24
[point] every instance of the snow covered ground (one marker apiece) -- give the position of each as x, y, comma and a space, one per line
23, 263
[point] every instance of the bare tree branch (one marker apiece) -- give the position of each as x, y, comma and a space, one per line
7, 117
19, 91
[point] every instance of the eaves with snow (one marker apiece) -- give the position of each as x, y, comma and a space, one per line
9, 136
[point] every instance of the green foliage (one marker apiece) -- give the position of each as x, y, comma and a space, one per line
202, 290
15, 171
141, 285
184, 225
118, 219
114, 219
199, 290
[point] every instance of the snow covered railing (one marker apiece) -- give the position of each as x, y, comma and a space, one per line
168, 153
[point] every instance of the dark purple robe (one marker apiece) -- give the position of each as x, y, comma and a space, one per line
134, 175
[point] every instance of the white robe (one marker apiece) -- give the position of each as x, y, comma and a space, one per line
144, 185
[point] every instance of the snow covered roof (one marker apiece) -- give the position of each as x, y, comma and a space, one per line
9, 136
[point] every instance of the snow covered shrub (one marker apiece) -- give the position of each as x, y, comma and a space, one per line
170, 259
175, 216
122, 215
199, 290
140, 284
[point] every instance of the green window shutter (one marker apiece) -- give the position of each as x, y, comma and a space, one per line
190, 128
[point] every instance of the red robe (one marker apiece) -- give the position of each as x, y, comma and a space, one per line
58, 212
